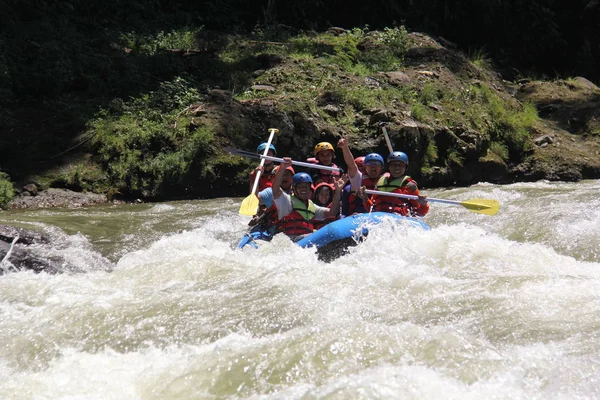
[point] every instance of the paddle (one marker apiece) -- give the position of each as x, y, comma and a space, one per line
244, 153
387, 138
250, 204
480, 206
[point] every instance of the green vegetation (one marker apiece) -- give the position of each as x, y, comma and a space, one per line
506, 123
480, 58
431, 155
7, 191
115, 100
149, 143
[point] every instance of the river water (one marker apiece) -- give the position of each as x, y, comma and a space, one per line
160, 306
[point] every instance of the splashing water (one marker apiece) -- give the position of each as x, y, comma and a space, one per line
477, 307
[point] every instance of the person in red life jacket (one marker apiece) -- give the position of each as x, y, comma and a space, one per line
296, 212
354, 200
323, 197
267, 175
374, 168
324, 155
396, 181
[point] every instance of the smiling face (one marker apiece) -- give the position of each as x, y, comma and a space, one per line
303, 190
397, 168
324, 196
373, 169
325, 157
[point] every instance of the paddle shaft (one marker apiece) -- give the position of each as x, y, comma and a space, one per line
387, 139
410, 197
249, 154
262, 161
304, 164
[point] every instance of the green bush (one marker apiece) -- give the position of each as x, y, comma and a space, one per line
500, 150
431, 155
151, 144
509, 124
7, 190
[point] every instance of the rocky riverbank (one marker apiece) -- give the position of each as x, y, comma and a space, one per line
31, 197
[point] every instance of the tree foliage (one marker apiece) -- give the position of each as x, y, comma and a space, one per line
60, 61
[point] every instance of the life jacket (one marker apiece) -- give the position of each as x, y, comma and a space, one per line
299, 221
266, 179
321, 175
368, 182
391, 204
356, 204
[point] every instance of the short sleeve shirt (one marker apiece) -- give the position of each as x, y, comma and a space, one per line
265, 197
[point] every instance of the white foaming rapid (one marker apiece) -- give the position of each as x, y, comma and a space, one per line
478, 307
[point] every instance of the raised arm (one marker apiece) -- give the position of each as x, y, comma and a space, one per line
335, 202
348, 157
276, 188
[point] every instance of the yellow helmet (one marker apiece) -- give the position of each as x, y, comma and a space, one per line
323, 146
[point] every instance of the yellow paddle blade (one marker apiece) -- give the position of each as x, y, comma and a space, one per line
482, 206
249, 205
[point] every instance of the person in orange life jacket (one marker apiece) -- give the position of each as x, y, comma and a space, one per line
396, 181
296, 212
356, 201
267, 175
324, 155
267, 212
323, 196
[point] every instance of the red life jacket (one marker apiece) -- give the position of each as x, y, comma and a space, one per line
353, 201
270, 215
368, 182
326, 176
266, 180
391, 204
299, 221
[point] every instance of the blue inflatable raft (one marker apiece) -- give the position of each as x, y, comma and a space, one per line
334, 238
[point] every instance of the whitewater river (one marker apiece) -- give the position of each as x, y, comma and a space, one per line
160, 305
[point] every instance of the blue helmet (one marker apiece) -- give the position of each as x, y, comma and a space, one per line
301, 177
373, 157
261, 148
398, 156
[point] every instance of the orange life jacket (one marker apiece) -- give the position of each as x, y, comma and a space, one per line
396, 204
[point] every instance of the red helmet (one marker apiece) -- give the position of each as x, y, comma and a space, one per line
360, 161
290, 168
